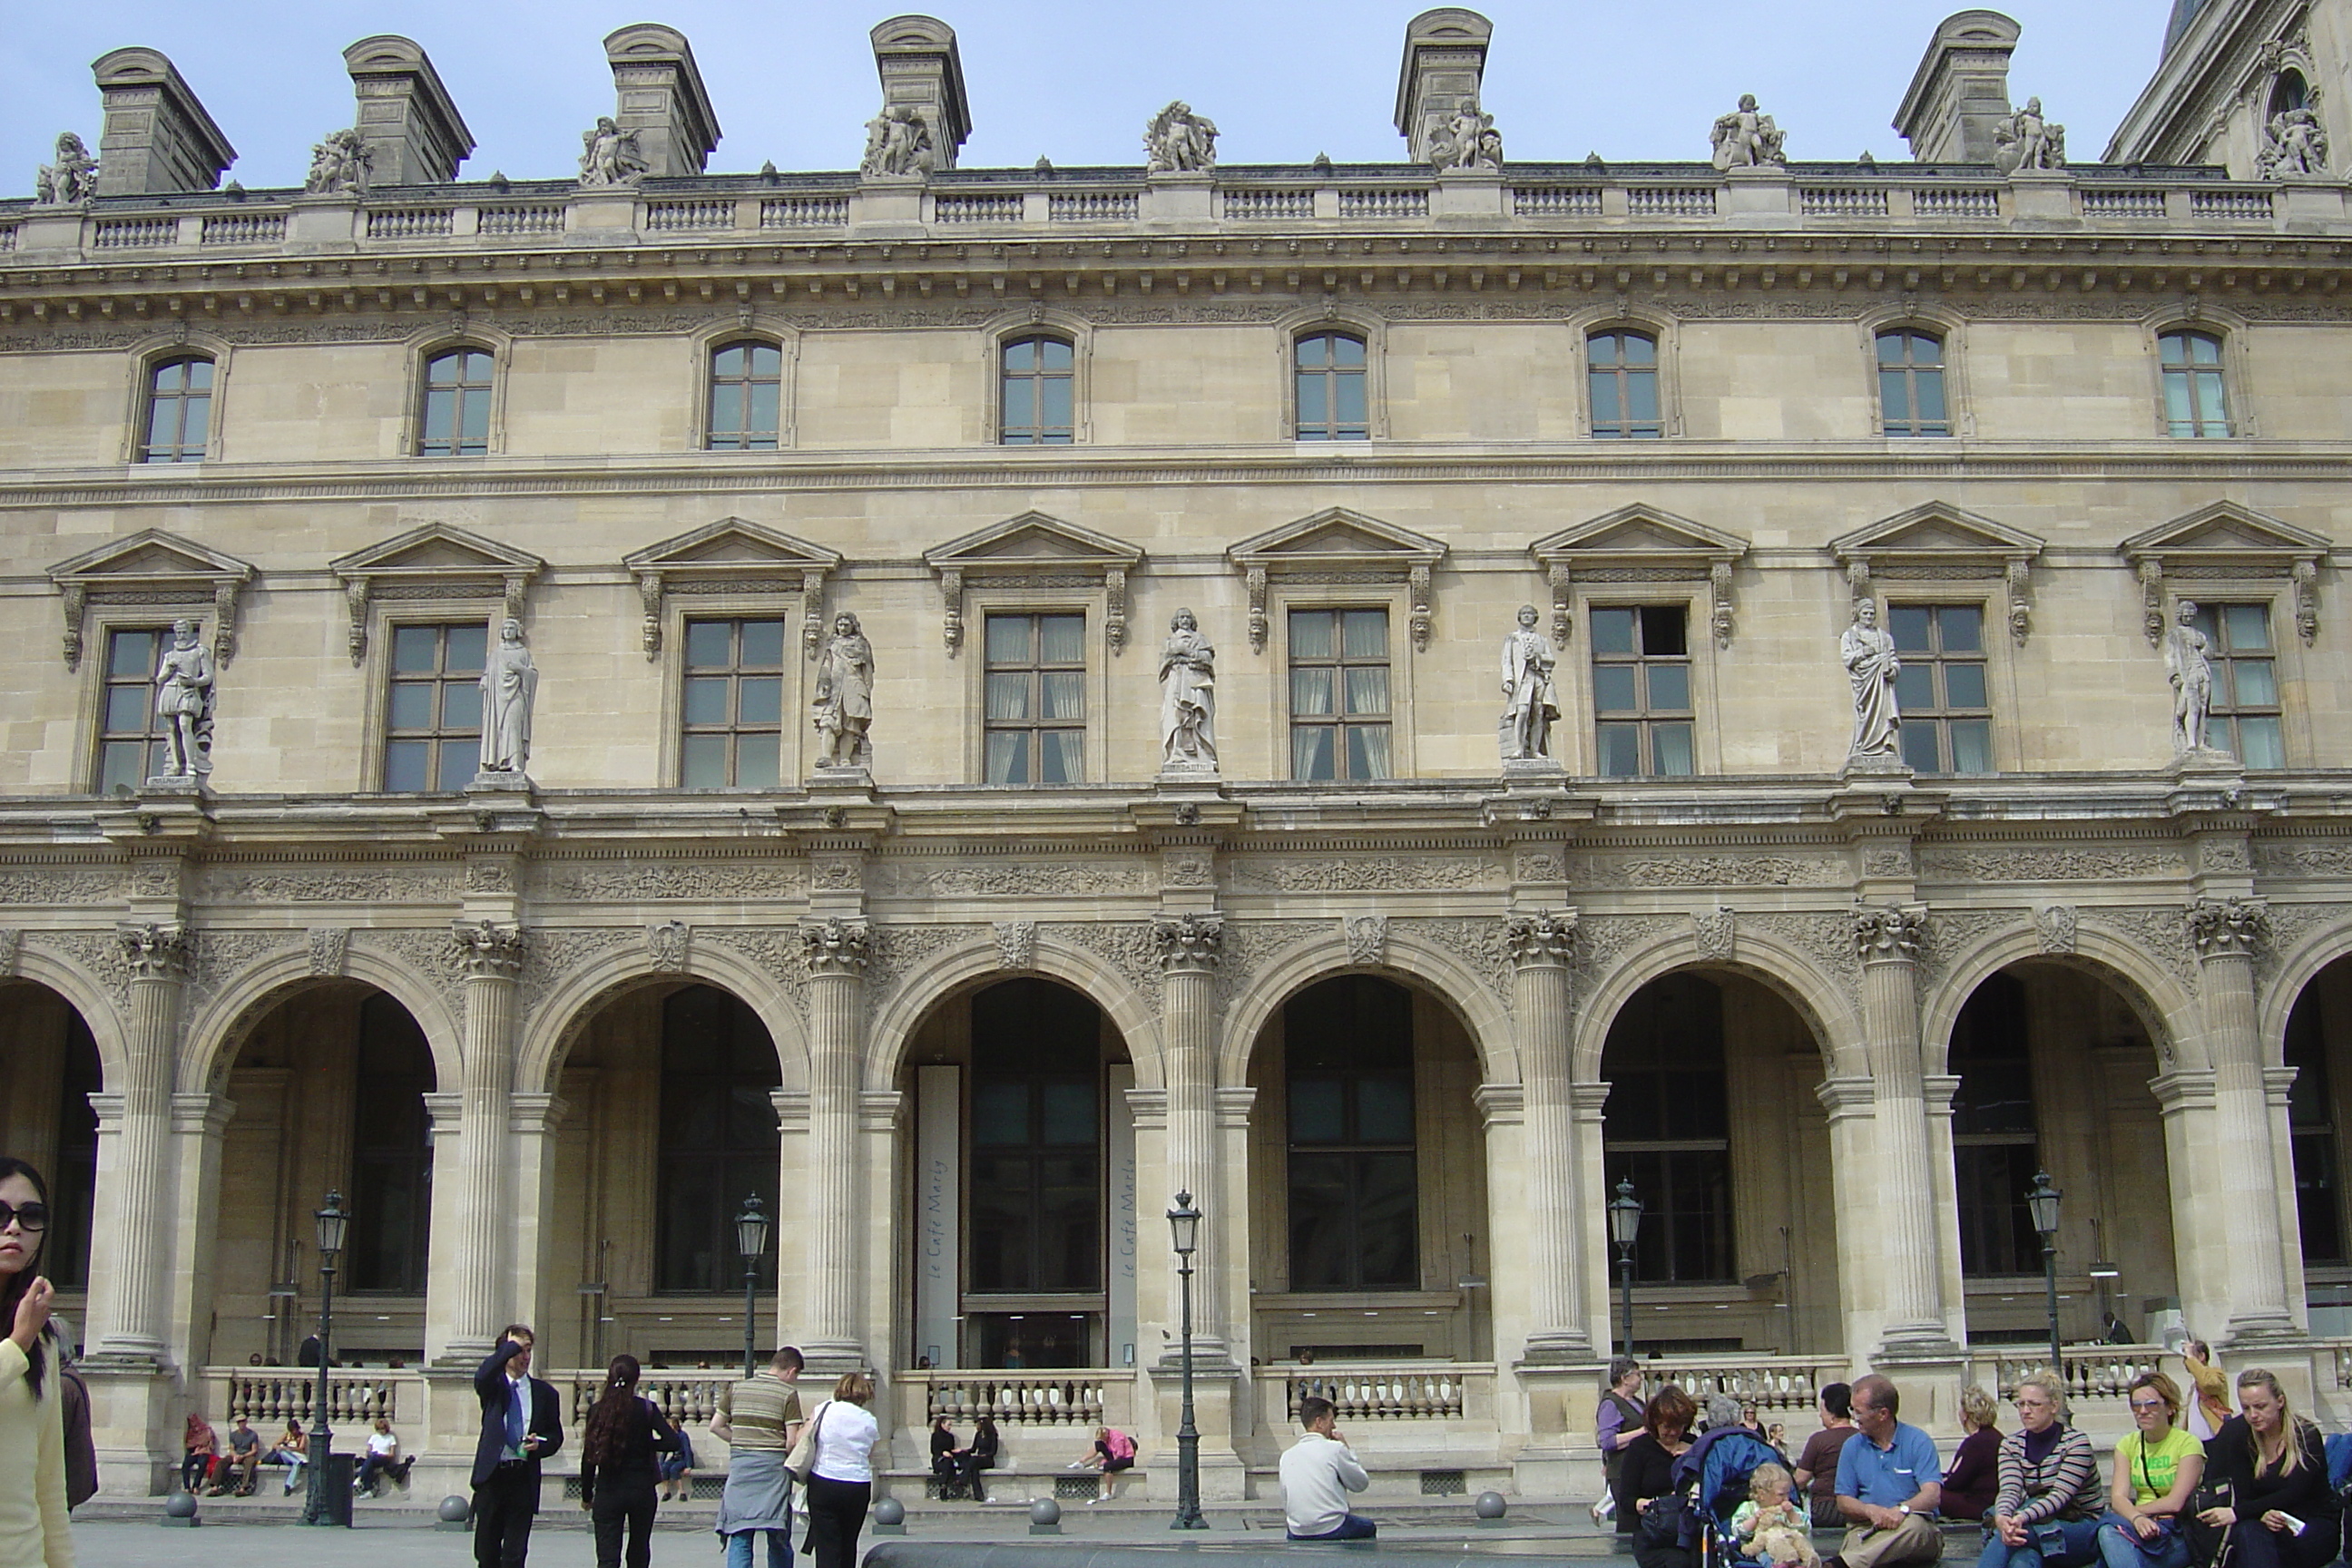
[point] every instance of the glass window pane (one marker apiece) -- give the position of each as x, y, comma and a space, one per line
461, 705
1314, 350
1671, 745
1062, 639
406, 766
1639, 350
1055, 354
2204, 350
2176, 403
2259, 745
1368, 752
1641, 397
1918, 741
1927, 386
1311, 693
199, 374
410, 707
2212, 416
1061, 756
1963, 628
1008, 696
1669, 687
706, 700
1000, 1113
756, 760
708, 644
1621, 751
1612, 688
459, 761
195, 414
1312, 407
1909, 625
1384, 1108
1366, 634
1055, 396
2174, 347
1964, 686
1347, 394
1661, 629
1064, 695
1008, 757
1894, 397
131, 654
1318, 1111
1367, 689
762, 417
1310, 752
1066, 1113
1971, 746
703, 762
2248, 627
729, 360
2257, 682
1612, 631
1605, 409
760, 699
1310, 634
762, 645
1914, 687
1890, 348
463, 647
126, 709
1020, 354
1347, 350
1008, 639
1020, 405
476, 410
1601, 347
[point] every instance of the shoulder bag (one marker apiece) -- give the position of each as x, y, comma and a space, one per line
81, 1455
801, 1463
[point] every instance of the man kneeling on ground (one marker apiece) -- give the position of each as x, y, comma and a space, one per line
1889, 1484
1318, 1474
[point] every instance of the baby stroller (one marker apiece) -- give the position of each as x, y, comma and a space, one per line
1721, 1464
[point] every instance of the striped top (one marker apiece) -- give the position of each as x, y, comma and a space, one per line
2064, 1484
758, 1411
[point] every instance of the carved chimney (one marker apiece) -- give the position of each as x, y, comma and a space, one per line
157, 138
916, 59
1961, 89
661, 98
1445, 59
412, 132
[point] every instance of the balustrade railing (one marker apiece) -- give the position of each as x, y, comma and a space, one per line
1092, 206
522, 220
1075, 1397
128, 233
1401, 1392
1955, 200
1248, 204
2088, 1372
243, 228
994, 208
2233, 206
661, 216
1378, 203
1842, 200
1556, 201
1670, 201
689, 1397
272, 1397
1768, 1383
2131, 203
410, 223
805, 212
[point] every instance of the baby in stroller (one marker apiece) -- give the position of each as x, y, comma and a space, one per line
1769, 1525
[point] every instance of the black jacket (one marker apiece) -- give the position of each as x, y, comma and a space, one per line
546, 1421
643, 1431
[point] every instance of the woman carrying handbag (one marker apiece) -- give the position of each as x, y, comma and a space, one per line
839, 1460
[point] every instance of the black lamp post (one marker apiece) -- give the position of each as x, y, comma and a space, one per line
332, 1224
752, 1241
2041, 1198
1624, 1229
1184, 1222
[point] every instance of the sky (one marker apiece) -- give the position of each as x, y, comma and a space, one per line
1075, 80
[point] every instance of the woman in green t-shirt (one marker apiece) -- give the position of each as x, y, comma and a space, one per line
2156, 1468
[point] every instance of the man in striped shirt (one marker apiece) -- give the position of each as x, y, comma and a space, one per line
758, 1420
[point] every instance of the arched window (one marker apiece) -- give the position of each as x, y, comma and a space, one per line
2288, 93
1354, 1176
179, 411
1668, 1127
1036, 405
1911, 384
1331, 398
2196, 400
456, 413
747, 382
1622, 369
1996, 1146
718, 1138
392, 1152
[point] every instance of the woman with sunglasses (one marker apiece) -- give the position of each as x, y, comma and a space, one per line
2158, 1468
33, 1528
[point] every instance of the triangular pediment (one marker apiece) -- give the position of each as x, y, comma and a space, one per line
733, 544
1639, 534
437, 550
1337, 536
1033, 540
1937, 531
2225, 531
146, 558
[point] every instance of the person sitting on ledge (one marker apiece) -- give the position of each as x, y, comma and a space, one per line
1317, 1473
1889, 1484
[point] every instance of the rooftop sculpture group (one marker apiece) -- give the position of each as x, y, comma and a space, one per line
339, 163
2027, 141
1746, 138
609, 155
1468, 140
2294, 142
1179, 141
72, 180
899, 142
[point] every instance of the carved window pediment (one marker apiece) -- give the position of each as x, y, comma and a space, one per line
733, 556
1941, 543
153, 568
1038, 551
1337, 545
1640, 543
2226, 543
436, 565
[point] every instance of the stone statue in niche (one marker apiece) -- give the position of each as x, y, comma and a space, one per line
899, 142
2027, 141
339, 163
1530, 703
1467, 140
844, 697
1868, 655
1179, 141
183, 704
1188, 697
510, 687
2294, 142
2192, 675
1746, 138
72, 180
610, 155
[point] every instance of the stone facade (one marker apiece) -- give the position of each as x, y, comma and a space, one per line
215, 944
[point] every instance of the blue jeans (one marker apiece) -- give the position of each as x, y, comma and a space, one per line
1355, 1527
780, 1548
2082, 1549
2119, 1545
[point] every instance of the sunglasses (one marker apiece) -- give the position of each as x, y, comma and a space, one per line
28, 1217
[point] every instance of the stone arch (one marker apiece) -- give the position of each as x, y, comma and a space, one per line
1443, 972
2296, 967
2164, 1007
944, 974
212, 1037
554, 1025
1833, 1013
86, 995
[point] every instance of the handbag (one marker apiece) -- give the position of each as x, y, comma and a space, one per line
81, 1456
1662, 1522
801, 1461
2208, 1544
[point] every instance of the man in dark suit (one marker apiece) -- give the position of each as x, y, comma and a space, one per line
521, 1424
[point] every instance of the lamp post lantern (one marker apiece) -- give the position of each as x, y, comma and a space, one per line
1184, 1225
2042, 1200
1624, 1229
752, 1241
333, 1223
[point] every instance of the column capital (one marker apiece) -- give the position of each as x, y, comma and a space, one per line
205, 1113
157, 950
489, 951
836, 947
2228, 928
1883, 934
1195, 942
1500, 1104
1545, 939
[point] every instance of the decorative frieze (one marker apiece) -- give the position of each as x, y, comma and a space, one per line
221, 956
228, 886
1129, 947
718, 881
775, 951
429, 955
1362, 873
1016, 945
2051, 863
330, 952
75, 889
99, 954
1950, 934
1367, 937
2057, 926
895, 952
1706, 870
1005, 877
1480, 943
2160, 934
2296, 857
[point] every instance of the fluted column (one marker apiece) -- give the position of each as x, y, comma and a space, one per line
135, 1251
492, 956
2225, 933
837, 952
1540, 947
1190, 947
1887, 941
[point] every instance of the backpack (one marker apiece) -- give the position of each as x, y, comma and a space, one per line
81, 1454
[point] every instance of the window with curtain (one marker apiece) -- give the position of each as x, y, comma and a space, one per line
1340, 713
457, 414
1036, 723
2244, 717
1642, 691
1354, 1169
1940, 690
2196, 396
719, 1139
179, 411
747, 382
1996, 1146
1038, 392
733, 713
392, 1152
433, 719
1667, 1126
1622, 369
1911, 384
1332, 402
128, 749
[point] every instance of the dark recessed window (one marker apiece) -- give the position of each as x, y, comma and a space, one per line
1037, 393
747, 384
1035, 1196
73, 1176
179, 411
1354, 1173
392, 1153
2311, 1123
456, 421
1331, 396
1667, 1126
1995, 1148
719, 1139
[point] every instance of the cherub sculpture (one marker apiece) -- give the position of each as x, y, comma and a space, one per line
899, 142
72, 180
2028, 141
2294, 142
340, 162
1179, 141
1747, 138
1467, 140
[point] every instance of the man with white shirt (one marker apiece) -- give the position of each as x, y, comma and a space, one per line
1318, 1474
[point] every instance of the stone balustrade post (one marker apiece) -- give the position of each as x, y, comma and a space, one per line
1887, 941
135, 1250
837, 951
2225, 933
1190, 947
492, 956
1541, 946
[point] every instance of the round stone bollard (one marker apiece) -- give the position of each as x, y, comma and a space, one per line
889, 1517
1045, 1517
180, 1512
1490, 1508
452, 1512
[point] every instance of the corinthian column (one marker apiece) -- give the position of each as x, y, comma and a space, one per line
2225, 933
1889, 942
1541, 945
492, 956
135, 1250
837, 952
1190, 947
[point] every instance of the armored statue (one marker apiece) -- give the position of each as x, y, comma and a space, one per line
1179, 141
610, 155
1747, 138
340, 162
2028, 141
1531, 704
1467, 141
1868, 655
2294, 142
183, 704
510, 686
72, 180
1187, 696
899, 142
844, 709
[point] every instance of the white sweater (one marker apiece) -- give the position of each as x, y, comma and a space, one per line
34, 1528
1318, 1474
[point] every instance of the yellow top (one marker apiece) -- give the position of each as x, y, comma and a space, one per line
35, 1531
